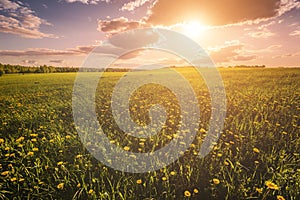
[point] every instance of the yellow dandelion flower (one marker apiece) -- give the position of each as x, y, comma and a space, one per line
60, 163
216, 181
279, 197
5, 173
30, 153
60, 186
35, 149
139, 181
79, 156
6, 155
272, 185
256, 150
219, 155
259, 190
20, 139
187, 193
226, 163
91, 191
68, 136
1, 140
126, 148
7, 149
34, 135
202, 130
78, 185
196, 191
172, 173
164, 178
256, 162
13, 179
33, 140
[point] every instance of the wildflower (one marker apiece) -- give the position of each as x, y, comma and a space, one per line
35, 149
60, 163
68, 136
33, 140
126, 148
91, 191
196, 191
216, 181
256, 162
7, 149
172, 173
79, 156
60, 186
33, 135
226, 163
78, 185
30, 153
271, 185
219, 155
6, 155
5, 173
187, 193
256, 150
139, 181
284, 132
202, 130
259, 190
13, 179
20, 139
164, 178
21, 179
279, 197
1, 140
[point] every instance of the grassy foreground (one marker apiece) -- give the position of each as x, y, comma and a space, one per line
256, 157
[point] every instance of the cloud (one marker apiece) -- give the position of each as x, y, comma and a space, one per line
118, 25
295, 33
20, 20
217, 13
230, 51
36, 52
56, 61
134, 4
86, 1
264, 33
287, 55
8, 5
31, 62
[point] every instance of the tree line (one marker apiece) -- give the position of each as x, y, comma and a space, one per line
13, 69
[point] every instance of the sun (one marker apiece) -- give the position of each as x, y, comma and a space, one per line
193, 28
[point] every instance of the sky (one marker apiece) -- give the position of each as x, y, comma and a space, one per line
232, 32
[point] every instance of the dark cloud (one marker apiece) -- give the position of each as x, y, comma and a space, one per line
210, 12
56, 61
118, 25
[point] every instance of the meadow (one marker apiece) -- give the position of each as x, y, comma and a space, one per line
256, 157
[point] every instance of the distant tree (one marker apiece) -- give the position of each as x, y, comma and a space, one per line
1, 72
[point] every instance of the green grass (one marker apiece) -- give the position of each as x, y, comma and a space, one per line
42, 156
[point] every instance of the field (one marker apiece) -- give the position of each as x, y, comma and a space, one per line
256, 157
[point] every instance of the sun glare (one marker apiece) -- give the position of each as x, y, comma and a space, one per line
193, 29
